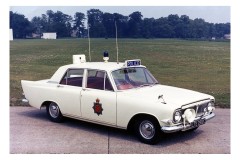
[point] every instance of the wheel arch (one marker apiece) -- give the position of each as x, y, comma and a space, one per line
46, 103
136, 117
57, 117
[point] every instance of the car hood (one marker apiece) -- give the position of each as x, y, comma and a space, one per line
170, 95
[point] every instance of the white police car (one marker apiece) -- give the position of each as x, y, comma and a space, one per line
121, 95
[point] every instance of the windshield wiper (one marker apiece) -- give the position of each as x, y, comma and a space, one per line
146, 84
142, 85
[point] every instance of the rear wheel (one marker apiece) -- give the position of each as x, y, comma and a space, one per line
54, 113
148, 130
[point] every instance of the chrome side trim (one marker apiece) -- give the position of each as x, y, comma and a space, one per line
92, 121
171, 129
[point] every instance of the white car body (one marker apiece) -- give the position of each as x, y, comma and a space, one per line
118, 108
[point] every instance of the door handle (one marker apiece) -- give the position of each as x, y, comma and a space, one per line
85, 89
59, 86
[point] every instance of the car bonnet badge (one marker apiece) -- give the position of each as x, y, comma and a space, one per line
97, 107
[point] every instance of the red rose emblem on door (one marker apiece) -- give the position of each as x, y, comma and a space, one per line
97, 107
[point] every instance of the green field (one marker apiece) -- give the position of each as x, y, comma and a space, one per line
198, 65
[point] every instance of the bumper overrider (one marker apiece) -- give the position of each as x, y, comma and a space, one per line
183, 127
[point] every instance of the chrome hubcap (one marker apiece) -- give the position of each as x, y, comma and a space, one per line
53, 110
147, 129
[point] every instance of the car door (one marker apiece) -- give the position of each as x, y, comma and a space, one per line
98, 99
68, 92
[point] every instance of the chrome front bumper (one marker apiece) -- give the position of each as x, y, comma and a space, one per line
198, 121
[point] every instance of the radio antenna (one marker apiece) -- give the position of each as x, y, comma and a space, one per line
89, 46
116, 40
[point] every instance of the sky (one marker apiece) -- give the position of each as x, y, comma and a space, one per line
212, 14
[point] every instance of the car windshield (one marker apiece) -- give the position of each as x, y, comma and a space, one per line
133, 77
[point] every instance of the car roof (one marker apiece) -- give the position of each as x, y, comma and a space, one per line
97, 65
106, 66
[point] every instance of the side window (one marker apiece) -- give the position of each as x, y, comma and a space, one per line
108, 85
73, 77
95, 79
98, 80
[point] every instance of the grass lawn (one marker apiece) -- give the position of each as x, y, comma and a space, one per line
197, 65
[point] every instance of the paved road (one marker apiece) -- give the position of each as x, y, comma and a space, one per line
32, 132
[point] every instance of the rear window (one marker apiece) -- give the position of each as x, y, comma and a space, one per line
73, 77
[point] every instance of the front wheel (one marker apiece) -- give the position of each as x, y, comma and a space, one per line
54, 113
148, 130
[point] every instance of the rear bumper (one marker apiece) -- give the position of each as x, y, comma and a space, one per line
198, 121
25, 100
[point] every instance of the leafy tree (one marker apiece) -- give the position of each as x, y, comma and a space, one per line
61, 23
108, 23
222, 29
96, 27
199, 28
212, 30
147, 27
162, 29
53, 22
38, 25
122, 25
182, 28
20, 25
78, 24
103, 25
135, 24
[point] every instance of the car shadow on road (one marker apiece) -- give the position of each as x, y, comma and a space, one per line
113, 133
179, 137
35, 114
167, 139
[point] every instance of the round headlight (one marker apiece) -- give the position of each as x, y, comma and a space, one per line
210, 106
205, 110
190, 115
177, 116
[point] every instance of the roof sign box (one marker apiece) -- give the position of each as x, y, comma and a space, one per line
135, 62
78, 59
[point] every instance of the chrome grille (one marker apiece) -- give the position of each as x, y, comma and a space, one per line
200, 109
198, 106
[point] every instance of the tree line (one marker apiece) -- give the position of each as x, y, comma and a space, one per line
102, 25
